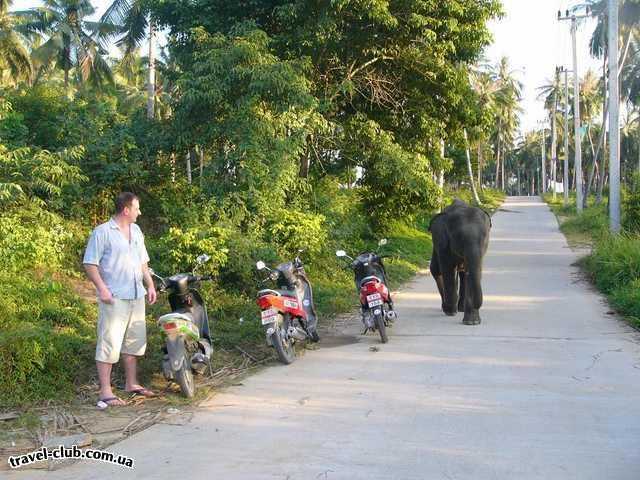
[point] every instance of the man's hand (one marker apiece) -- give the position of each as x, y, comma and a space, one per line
105, 296
152, 295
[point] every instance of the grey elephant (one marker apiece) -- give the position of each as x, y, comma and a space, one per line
460, 237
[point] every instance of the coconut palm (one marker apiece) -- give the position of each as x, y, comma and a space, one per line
14, 56
485, 87
71, 40
134, 18
507, 99
629, 21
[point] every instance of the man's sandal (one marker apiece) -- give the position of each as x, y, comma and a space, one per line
104, 403
145, 392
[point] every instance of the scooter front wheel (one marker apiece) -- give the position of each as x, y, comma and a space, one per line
184, 377
284, 347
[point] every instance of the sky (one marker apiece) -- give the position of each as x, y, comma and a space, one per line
529, 34
535, 42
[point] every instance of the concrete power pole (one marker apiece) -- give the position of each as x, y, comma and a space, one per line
543, 185
614, 129
565, 179
554, 134
576, 106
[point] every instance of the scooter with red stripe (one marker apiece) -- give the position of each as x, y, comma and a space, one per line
287, 313
376, 305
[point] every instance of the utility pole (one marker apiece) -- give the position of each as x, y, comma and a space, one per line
614, 129
576, 105
565, 179
554, 130
543, 188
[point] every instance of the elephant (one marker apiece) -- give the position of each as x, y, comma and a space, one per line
460, 236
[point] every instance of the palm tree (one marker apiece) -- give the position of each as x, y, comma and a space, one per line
629, 20
485, 87
72, 41
551, 92
14, 55
507, 98
134, 18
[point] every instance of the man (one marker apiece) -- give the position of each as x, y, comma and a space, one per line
116, 262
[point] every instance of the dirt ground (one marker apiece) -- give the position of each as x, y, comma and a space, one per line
82, 423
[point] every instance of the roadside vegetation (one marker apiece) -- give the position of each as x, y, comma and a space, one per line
254, 132
613, 261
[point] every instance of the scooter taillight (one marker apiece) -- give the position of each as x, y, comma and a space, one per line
169, 325
263, 302
370, 287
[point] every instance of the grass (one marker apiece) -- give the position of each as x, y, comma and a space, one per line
613, 264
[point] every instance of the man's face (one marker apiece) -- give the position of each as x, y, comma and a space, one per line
132, 212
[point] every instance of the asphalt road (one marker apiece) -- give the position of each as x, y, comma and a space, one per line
547, 387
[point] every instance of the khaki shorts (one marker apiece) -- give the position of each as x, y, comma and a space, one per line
121, 329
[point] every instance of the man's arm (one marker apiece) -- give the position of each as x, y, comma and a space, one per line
151, 288
94, 275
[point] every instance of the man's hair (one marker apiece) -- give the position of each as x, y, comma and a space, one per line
125, 199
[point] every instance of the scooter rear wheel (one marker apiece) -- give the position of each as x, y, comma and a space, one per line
381, 327
284, 347
184, 377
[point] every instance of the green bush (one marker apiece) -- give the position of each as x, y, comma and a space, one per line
47, 340
631, 205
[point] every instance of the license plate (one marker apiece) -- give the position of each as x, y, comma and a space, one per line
270, 315
290, 304
375, 303
374, 296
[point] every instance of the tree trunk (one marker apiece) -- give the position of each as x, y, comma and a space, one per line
498, 153
151, 81
201, 160
480, 165
189, 179
172, 163
601, 140
470, 169
502, 172
441, 178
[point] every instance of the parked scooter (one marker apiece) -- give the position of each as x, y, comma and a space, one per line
376, 305
288, 313
187, 347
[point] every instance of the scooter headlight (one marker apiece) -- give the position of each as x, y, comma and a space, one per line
274, 275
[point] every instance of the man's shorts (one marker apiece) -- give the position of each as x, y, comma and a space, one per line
121, 329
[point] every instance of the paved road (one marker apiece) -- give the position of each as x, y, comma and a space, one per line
547, 387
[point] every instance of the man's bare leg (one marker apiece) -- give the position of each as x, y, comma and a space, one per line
131, 375
104, 378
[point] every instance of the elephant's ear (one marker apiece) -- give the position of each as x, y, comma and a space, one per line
432, 220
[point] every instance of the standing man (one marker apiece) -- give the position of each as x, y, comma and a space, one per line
116, 262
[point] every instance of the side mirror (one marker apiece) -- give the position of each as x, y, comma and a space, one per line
260, 265
204, 258
341, 253
383, 241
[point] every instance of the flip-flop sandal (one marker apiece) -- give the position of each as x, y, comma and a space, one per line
143, 392
103, 403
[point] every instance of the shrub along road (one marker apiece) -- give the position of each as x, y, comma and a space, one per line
547, 387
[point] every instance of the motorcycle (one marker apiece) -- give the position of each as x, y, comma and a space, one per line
287, 313
187, 350
376, 305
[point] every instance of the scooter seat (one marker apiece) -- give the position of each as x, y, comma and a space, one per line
370, 278
175, 316
278, 293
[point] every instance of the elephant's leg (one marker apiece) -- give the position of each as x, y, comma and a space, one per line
461, 296
436, 273
450, 287
473, 297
